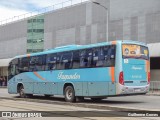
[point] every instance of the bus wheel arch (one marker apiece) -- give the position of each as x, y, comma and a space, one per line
69, 92
20, 90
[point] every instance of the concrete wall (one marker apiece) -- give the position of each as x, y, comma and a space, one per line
135, 19
62, 27
86, 23
13, 39
13, 47
132, 8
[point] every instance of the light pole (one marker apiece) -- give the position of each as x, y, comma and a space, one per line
97, 3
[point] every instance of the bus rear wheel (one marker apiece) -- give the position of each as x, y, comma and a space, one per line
69, 94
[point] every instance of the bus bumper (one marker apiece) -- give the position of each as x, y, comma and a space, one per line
123, 90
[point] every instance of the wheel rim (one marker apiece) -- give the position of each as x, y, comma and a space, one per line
69, 94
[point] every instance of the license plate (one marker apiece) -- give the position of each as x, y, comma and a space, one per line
137, 90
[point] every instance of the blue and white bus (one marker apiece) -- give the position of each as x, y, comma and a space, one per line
95, 71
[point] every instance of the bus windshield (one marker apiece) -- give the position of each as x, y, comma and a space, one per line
135, 51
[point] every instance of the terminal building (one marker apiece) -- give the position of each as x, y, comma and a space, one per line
84, 23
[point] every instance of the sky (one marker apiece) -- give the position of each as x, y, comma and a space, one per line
13, 8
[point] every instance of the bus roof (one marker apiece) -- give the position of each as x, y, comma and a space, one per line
134, 42
78, 47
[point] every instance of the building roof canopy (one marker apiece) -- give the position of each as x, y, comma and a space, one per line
5, 62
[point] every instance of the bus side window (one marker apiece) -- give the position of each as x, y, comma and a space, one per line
66, 60
98, 57
16, 65
51, 61
58, 64
109, 54
83, 59
76, 60
86, 58
10, 71
37, 63
113, 55
24, 64
144, 52
89, 57
13, 68
32, 64
42, 62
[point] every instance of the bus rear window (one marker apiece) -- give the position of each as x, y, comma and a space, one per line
135, 51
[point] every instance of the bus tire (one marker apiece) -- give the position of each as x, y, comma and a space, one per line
69, 94
21, 92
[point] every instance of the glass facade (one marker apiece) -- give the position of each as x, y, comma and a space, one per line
35, 34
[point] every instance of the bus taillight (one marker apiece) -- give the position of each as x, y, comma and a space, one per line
149, 77
121, 79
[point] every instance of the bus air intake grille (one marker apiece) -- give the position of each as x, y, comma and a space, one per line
128, 82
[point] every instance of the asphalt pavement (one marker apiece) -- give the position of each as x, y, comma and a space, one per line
24, 110
139, 102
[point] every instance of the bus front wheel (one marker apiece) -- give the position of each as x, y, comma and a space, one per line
21, 92
69, 94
